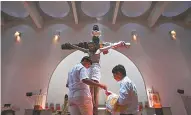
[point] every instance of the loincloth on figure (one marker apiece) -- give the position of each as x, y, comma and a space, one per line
95, 72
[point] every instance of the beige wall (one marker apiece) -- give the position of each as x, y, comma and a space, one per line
163, 63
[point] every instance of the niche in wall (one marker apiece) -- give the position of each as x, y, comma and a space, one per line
57, 89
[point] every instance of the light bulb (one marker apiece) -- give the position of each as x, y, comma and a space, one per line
134, 38
17, 33
17, 36
56, 37
134, 35
173, 34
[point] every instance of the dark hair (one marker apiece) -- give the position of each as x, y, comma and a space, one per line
66, 96
119, 68
96, 27
87, 58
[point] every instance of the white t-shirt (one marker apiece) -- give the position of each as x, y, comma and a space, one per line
75, 84
128, 96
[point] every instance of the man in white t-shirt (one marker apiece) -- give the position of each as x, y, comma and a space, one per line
127, 93
80, 100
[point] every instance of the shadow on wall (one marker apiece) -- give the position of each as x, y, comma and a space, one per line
57, 89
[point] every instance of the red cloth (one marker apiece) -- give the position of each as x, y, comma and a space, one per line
57, 106
46, 107
105, 52
52, 106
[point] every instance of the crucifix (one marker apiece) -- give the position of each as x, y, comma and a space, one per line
94, 48
96, 33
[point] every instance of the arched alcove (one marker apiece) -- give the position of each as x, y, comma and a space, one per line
57, 89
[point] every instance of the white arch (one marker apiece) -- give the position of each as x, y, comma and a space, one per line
57, 89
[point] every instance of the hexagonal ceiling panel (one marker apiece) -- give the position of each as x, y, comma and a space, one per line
57, 9
135, 8
95, 8
14, 8
175, 8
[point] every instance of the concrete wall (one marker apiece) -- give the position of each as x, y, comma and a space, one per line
164, 64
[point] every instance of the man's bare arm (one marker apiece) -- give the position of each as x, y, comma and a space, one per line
93, 83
